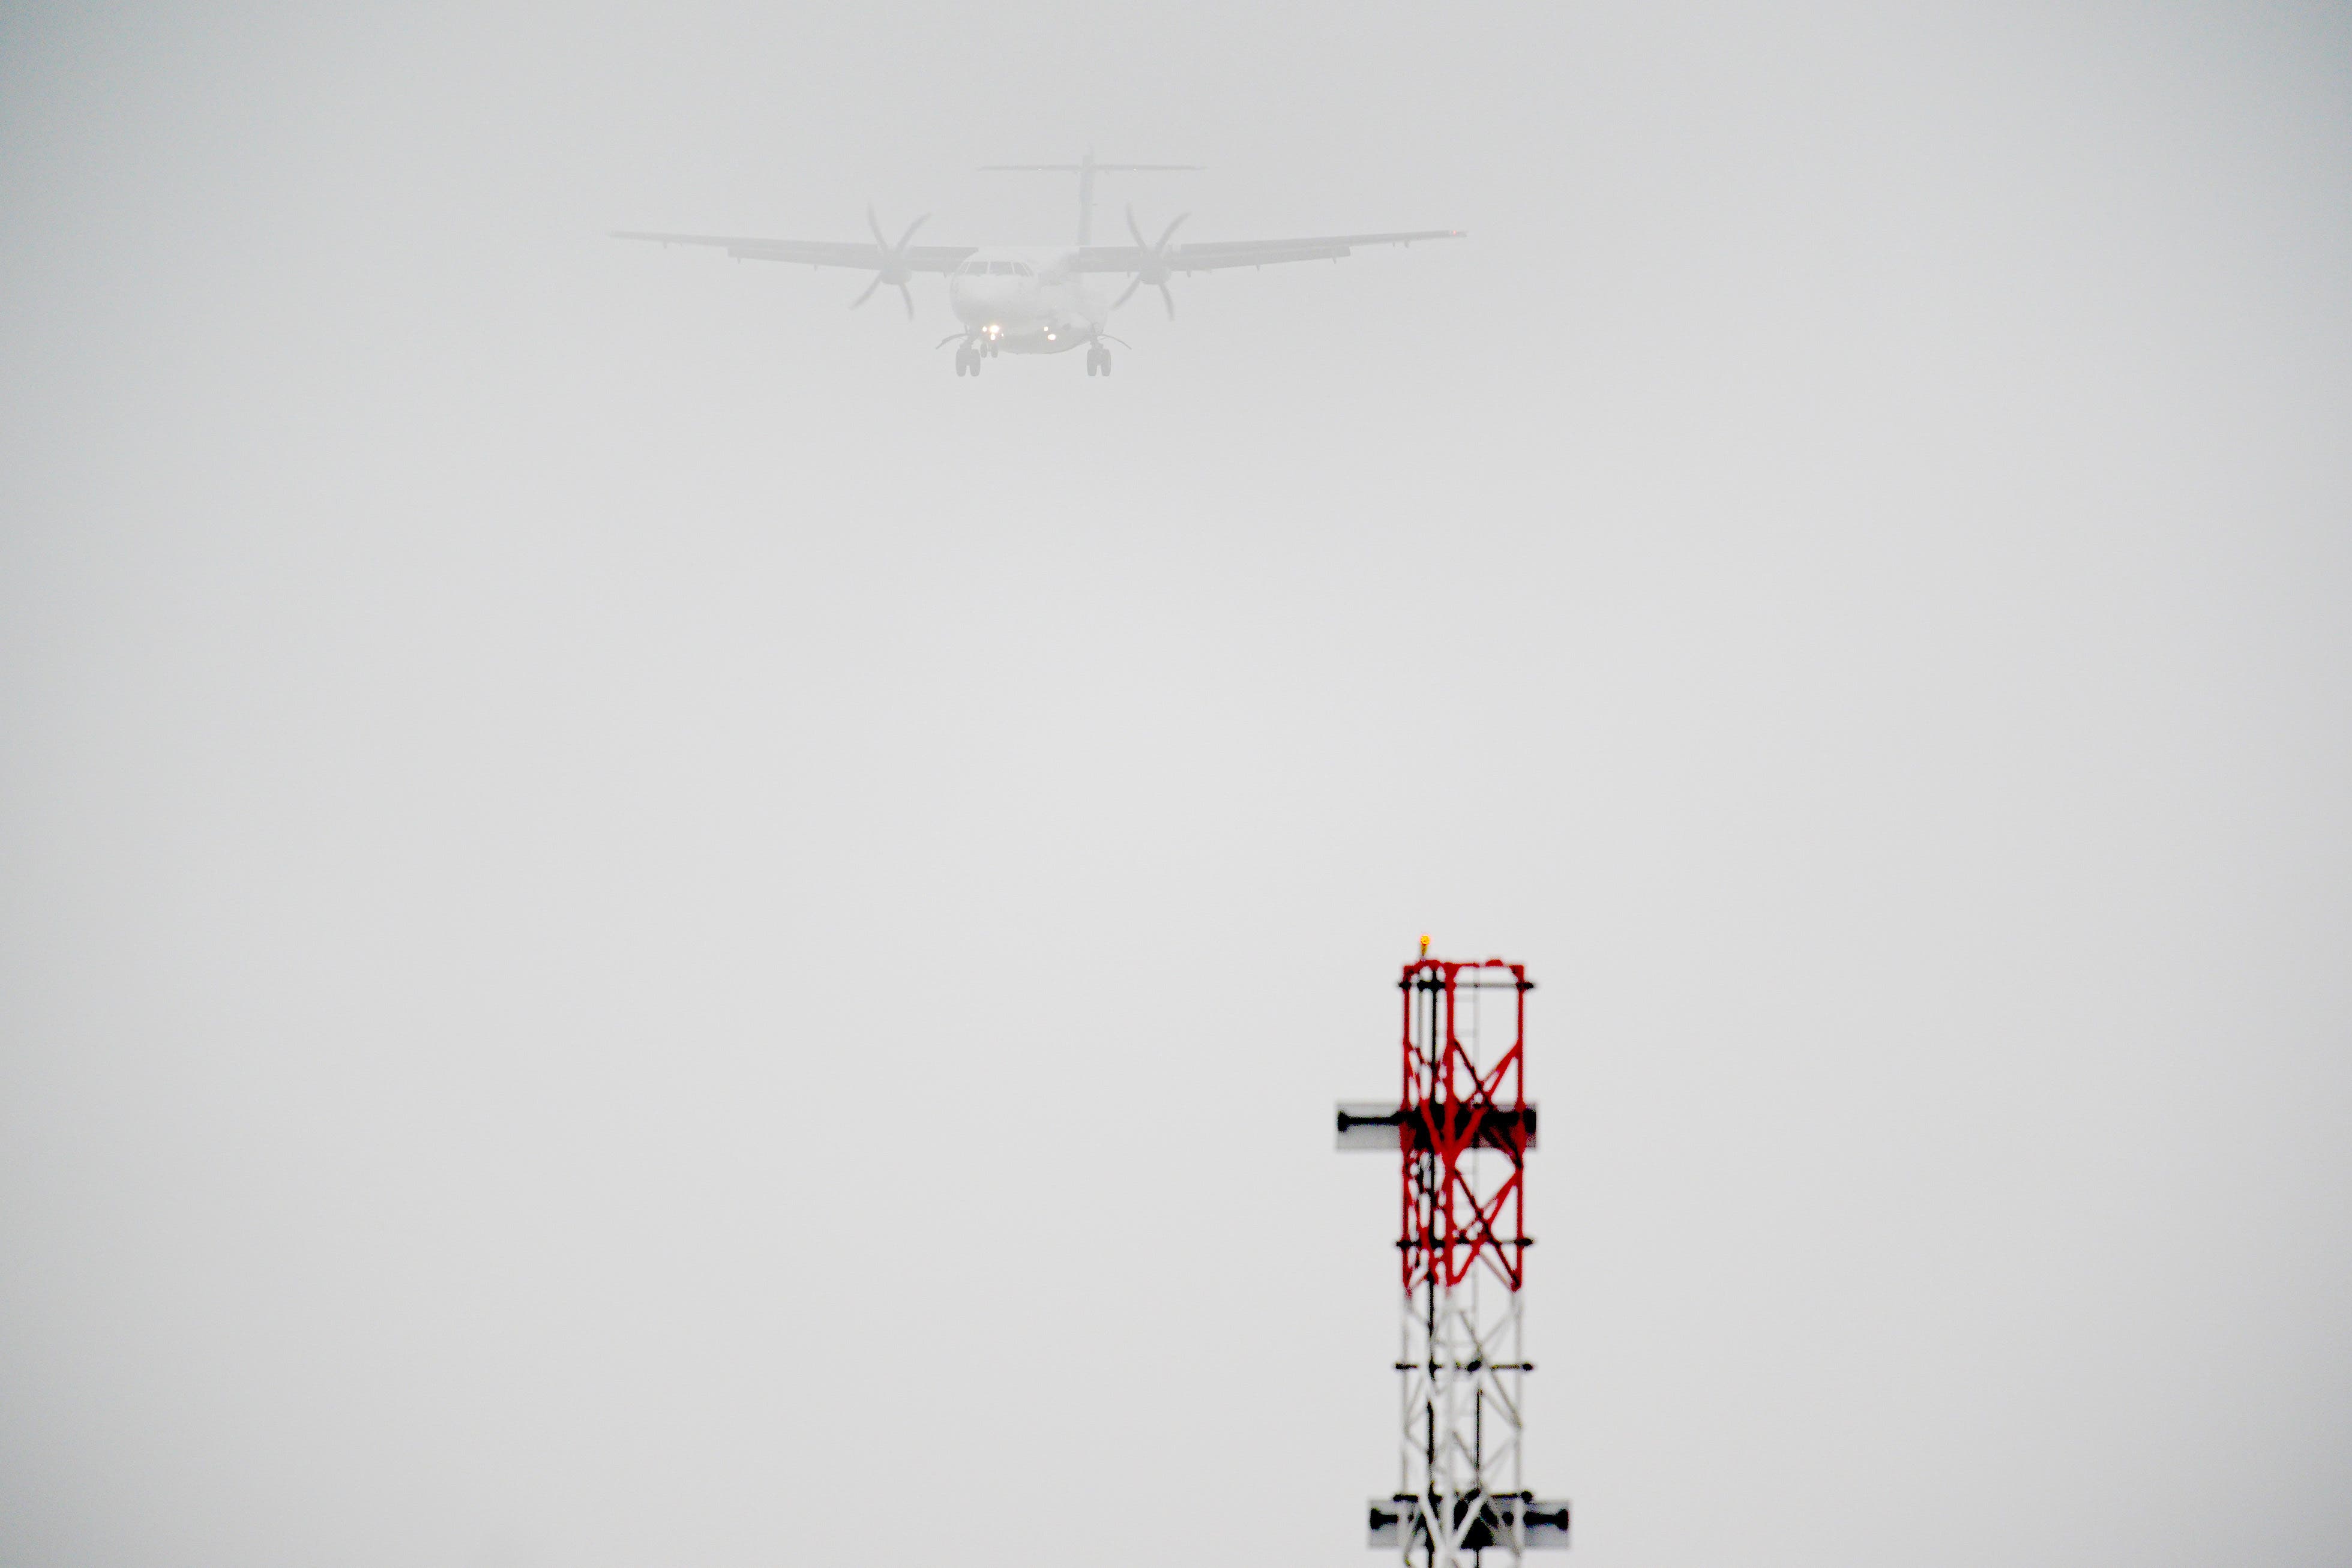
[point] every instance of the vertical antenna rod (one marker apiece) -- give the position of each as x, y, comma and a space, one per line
1463, 1127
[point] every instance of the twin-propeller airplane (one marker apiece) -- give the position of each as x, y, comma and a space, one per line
1040, 300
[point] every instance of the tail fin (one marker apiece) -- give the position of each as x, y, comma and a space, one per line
1085, 169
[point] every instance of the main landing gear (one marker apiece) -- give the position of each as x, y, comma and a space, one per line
971, 348
971, 353
1098, 352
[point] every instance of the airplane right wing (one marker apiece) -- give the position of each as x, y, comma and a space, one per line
1218, 254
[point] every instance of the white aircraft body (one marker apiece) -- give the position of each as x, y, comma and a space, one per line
1039, 300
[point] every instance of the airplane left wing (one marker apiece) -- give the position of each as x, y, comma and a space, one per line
818, 251
1217, 255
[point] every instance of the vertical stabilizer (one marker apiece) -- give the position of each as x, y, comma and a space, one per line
1085, 169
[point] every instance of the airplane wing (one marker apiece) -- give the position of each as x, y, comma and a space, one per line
850, 254
1216, 255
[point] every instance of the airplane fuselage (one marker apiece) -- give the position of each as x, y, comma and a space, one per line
1027, 301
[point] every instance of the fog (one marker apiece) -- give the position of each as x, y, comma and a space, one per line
638, 927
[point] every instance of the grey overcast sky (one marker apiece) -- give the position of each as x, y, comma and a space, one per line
638, 928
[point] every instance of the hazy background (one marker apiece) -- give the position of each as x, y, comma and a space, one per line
638, 928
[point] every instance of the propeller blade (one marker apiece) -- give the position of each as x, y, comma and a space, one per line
1165, 233
1129, 294
903, 238
1133, 228
868, 294
910, 300
1166, 294
874, 223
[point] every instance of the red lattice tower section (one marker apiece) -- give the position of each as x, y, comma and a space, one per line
1453, 1106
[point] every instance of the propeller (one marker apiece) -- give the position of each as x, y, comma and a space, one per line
894, 270
1155, 270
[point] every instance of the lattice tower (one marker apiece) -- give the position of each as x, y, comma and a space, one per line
1462, 1127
